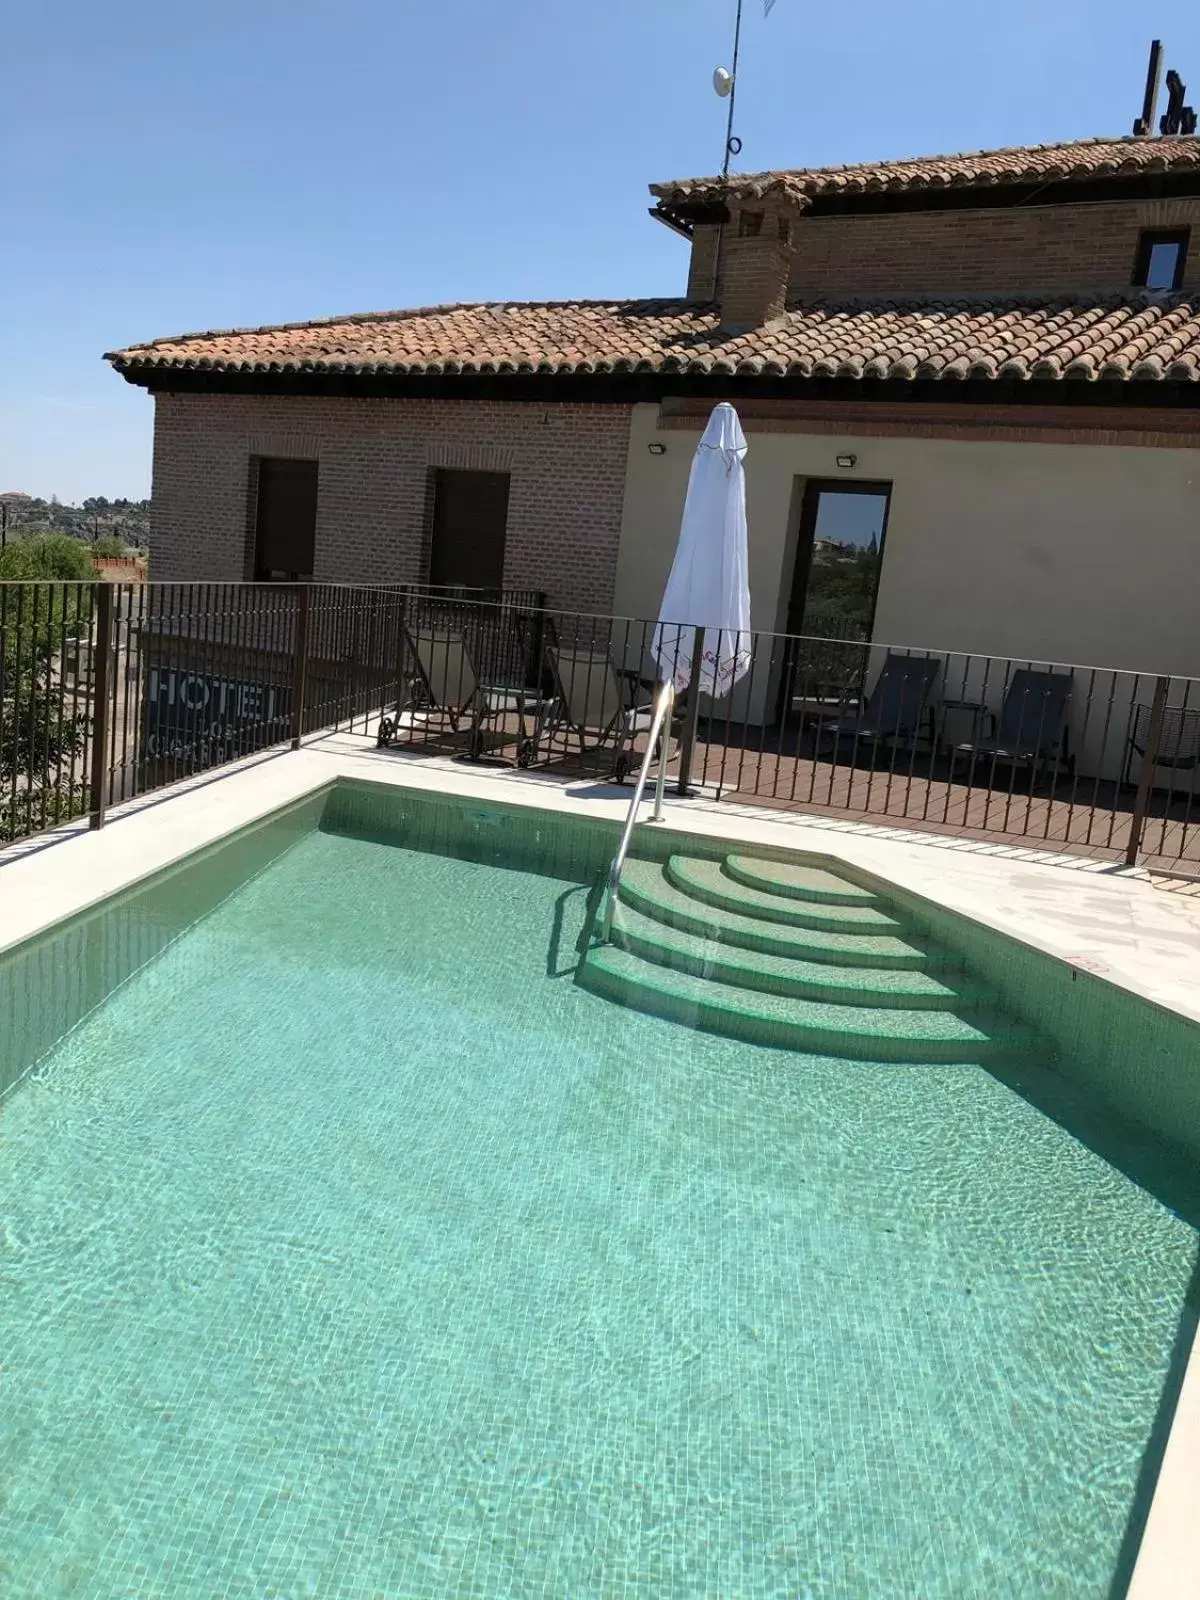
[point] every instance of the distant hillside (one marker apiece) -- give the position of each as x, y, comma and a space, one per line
96, 518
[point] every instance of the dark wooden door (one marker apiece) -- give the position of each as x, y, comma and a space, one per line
286, 526
470, 520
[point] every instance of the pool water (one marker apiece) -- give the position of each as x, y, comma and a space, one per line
350, 1249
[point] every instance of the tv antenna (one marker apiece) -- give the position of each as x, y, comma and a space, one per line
725, 84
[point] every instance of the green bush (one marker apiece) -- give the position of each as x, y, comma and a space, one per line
110, 547
47, 555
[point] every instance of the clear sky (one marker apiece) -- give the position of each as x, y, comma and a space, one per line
168, 166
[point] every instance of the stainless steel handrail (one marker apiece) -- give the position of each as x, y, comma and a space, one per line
659, 735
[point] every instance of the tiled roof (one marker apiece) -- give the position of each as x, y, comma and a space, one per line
1040, 163
1138, 336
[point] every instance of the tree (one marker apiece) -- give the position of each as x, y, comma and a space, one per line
43, 721
110, 546
54, 556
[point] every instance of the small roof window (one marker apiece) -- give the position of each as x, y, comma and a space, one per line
1161, 254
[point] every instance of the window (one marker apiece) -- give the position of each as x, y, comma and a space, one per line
285, 524
469, 526
750, 224
1161, 255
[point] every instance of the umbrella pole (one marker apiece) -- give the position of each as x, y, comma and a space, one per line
691, 717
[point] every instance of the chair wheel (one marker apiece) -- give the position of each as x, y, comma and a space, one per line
525, 753
387, 732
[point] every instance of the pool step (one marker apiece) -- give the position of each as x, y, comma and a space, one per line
709, 882
799, 880
646, 886
792, 954
873, 1033
827, 981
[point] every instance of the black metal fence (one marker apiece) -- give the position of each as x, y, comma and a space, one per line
46, 703
108, 691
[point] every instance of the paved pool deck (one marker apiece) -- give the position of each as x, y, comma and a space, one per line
1103, 919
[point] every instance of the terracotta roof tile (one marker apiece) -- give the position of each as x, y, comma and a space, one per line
1040, 163
1144, 335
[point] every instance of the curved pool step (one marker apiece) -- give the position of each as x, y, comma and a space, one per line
792, 954
871, 1033
645, 887
829, 982
708, 881
798, 880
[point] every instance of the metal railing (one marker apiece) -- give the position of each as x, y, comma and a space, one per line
46, 704
657, 739
109, 691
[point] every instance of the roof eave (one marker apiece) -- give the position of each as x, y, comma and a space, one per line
633, 387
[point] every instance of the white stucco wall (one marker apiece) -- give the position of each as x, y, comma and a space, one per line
1070, 553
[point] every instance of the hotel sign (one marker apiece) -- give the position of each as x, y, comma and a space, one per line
200, 719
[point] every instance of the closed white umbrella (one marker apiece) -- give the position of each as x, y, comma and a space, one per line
709, 585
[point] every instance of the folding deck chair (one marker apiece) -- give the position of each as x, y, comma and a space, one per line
592, 702
893, 714
451, 688
1031, 731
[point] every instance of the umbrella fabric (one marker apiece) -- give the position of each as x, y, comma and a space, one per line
709, 584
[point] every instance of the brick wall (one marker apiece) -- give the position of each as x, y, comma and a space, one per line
567, 466
754, 282
701, 284
1025, 248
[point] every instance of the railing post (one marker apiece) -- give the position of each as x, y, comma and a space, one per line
300, 661
102, 610
692, 716
1141, 804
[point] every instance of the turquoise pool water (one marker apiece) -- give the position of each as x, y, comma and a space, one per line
350, 1249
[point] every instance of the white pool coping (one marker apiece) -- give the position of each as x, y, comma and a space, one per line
1102, 919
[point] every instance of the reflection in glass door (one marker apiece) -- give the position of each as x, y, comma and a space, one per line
835, 579
839, 554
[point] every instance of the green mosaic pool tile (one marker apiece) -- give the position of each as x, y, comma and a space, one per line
50, 983
858, 1032
708, 881
523, 839
799, 880
350, 1278
1142, 1058
791, 975
643, 885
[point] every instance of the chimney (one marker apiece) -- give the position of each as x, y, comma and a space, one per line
757, 256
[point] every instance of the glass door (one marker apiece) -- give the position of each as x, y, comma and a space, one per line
839, 555
831, 606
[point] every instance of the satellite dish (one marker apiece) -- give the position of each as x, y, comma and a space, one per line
723, 82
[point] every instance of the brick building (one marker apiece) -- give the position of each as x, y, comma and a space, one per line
977, 375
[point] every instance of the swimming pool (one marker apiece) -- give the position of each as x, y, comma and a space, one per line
350, 1247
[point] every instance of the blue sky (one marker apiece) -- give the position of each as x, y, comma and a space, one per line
167, 167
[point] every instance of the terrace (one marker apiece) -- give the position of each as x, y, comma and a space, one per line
195, 676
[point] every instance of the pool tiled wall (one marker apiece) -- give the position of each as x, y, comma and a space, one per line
50, 983
1139, 1056
494, 835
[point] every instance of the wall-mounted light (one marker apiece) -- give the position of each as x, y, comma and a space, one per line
847, 461
657, 449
